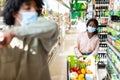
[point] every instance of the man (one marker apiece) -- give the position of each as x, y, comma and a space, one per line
35, 36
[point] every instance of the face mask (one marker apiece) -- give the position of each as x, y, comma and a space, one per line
27, 18
91, 29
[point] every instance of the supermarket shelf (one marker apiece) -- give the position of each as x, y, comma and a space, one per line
102, 25
101, 4
90, 11
115, 50
102, 74
103, 17
108, 73
97, 76
117, 23
102, 51
100, 9
112, 36
115, 69
115, 30
102, 33
103, 42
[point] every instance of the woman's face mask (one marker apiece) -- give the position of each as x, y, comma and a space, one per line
27, 18
91, 29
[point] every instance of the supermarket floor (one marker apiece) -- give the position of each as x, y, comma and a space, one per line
58, 66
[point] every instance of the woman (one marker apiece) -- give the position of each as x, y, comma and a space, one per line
88, 41
35, 36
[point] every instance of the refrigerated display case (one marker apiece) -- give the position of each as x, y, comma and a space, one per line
113, 41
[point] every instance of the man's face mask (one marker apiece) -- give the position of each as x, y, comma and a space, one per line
91, 29
27, 18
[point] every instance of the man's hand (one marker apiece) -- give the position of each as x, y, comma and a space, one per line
6, 38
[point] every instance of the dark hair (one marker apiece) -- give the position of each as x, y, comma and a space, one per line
96, 23
13, 6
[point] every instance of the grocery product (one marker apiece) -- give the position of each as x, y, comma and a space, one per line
79, 69
89, 77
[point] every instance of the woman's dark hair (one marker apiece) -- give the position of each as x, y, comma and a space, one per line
13, 6
95, 22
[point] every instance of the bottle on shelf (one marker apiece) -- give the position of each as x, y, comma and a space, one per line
111, 13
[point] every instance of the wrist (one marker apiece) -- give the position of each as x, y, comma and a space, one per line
79, 56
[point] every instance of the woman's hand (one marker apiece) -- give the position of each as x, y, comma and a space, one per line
88, 58
80, 58
6, 38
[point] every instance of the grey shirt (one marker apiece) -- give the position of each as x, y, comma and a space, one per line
29, 62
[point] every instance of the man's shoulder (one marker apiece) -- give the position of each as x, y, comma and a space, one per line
42, 20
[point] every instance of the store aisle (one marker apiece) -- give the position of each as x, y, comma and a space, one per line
58, 64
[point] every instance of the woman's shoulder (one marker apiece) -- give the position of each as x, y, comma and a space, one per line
82, 34
96, 36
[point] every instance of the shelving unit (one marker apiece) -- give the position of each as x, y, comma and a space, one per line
102, 51
102, 33
90, 10
102, 46
113, 56
102, 4
101, 13
113, 29
109, 76
115, 69
97, 76
115, 26
115, 50
103, 17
